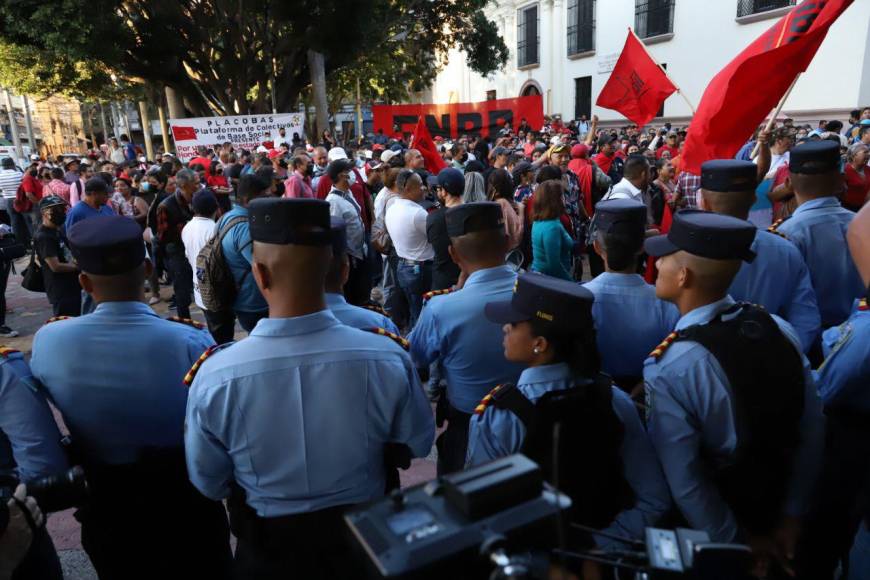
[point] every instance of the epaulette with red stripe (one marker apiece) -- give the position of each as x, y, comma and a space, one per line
376, 308
57, 318
485, 401
391, 335
191, 374
433, 293
659, 351
862, 305
5, 352
187, 321
774, 227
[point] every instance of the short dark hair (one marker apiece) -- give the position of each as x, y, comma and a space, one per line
403, 177
575, 346
622, 248
548, 201
159, 175
299, 160
549, 173
634, 166
57, 173
251, 186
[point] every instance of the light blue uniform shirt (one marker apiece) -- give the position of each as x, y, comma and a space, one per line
779, 280
238, 252
454, 329
844, 377
29, 438
357, 317
298, 413
116, 376
690, 408
499, 432
629, 321
818, 229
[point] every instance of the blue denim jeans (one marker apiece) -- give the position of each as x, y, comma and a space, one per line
414, 280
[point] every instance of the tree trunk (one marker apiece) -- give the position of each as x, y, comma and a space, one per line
164, 127
89, 125
13, 128
104, 124
145, 121
175, 103
318, 90
28, 121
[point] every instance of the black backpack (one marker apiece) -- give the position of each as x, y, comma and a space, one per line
216, 283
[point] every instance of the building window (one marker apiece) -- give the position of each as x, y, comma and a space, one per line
490, 95
583, 97
653, 17
661, 112
581, 26
527, 36
750, 7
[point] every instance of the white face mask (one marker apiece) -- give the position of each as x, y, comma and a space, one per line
351, 179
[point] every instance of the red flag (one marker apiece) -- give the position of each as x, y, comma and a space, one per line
637, 87
422, 141
743, 93
183, 133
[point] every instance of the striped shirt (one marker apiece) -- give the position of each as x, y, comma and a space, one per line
10, 179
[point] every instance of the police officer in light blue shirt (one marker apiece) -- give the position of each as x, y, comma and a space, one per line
116, 376
629, 320
336, 278
292, 422
548, 326
778, 278
713, 374
818, 229
452, 327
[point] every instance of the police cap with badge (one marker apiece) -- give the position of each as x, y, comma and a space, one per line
729, 175
620, 216
283, 221
706, 234
474, 217
551, 301
107, 245
814, 158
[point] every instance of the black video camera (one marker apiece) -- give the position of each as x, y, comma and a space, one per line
52, 493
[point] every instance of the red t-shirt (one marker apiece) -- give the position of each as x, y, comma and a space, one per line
857, 186
217, 181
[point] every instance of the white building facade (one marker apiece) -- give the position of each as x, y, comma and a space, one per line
565, 50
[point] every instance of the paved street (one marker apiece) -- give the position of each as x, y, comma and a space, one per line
29, 312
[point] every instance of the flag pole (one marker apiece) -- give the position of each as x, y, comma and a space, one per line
664, 70
772, 121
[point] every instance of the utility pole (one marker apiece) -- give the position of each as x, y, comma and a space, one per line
31, 138
145, 121
13, 126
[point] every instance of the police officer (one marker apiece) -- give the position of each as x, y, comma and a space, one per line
842, 382
778, 278
336, 278
292, 421
548, 328
818, 228
29, 448
739, 439
452, 327
116, 376
629, 320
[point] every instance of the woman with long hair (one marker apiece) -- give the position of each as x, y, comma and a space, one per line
552, 247
501, 191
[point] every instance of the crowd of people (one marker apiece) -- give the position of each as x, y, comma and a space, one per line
702, 339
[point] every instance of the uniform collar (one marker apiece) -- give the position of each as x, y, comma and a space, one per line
615, 279
828, 201
126, 307
545, 374
295, 326
335, 299
704, 314
489, 275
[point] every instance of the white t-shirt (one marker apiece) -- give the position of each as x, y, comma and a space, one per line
406, 223
195, 235
776, 161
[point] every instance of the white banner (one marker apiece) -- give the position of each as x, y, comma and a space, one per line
243, 131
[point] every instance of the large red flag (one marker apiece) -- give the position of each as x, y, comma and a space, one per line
422, 141
637, 87
743, 93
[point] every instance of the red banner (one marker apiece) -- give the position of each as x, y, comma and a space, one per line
455, 119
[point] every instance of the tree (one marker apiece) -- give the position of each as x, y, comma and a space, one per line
219, 53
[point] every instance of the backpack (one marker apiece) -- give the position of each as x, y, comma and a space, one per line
216, 283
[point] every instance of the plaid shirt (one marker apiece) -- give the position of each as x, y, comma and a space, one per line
688, 185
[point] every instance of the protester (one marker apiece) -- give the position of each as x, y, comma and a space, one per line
342, 204
172, 215
59, 271
501, 191
552, 247
195, 234
857, 177
445, 272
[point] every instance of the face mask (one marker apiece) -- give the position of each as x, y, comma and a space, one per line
145, 186
360, 162
351, 179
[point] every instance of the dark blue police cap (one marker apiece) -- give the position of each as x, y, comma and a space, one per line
706, 234
815, 157
338, 235
452, 180
546, 299
107, 245
620, 215
479, 216
290, 221
729, 175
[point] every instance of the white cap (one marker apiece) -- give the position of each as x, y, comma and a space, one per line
34, 156
262, 149
335, 154
142, 159
387, 155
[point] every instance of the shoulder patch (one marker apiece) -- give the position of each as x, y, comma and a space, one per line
663, 346
774, 227
403, 342
487, 400
862, 305
57, 318
191, 374
433, 293
776, 233
376, 308
6, 352
187, 321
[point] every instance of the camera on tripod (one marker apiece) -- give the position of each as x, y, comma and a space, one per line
52, 493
